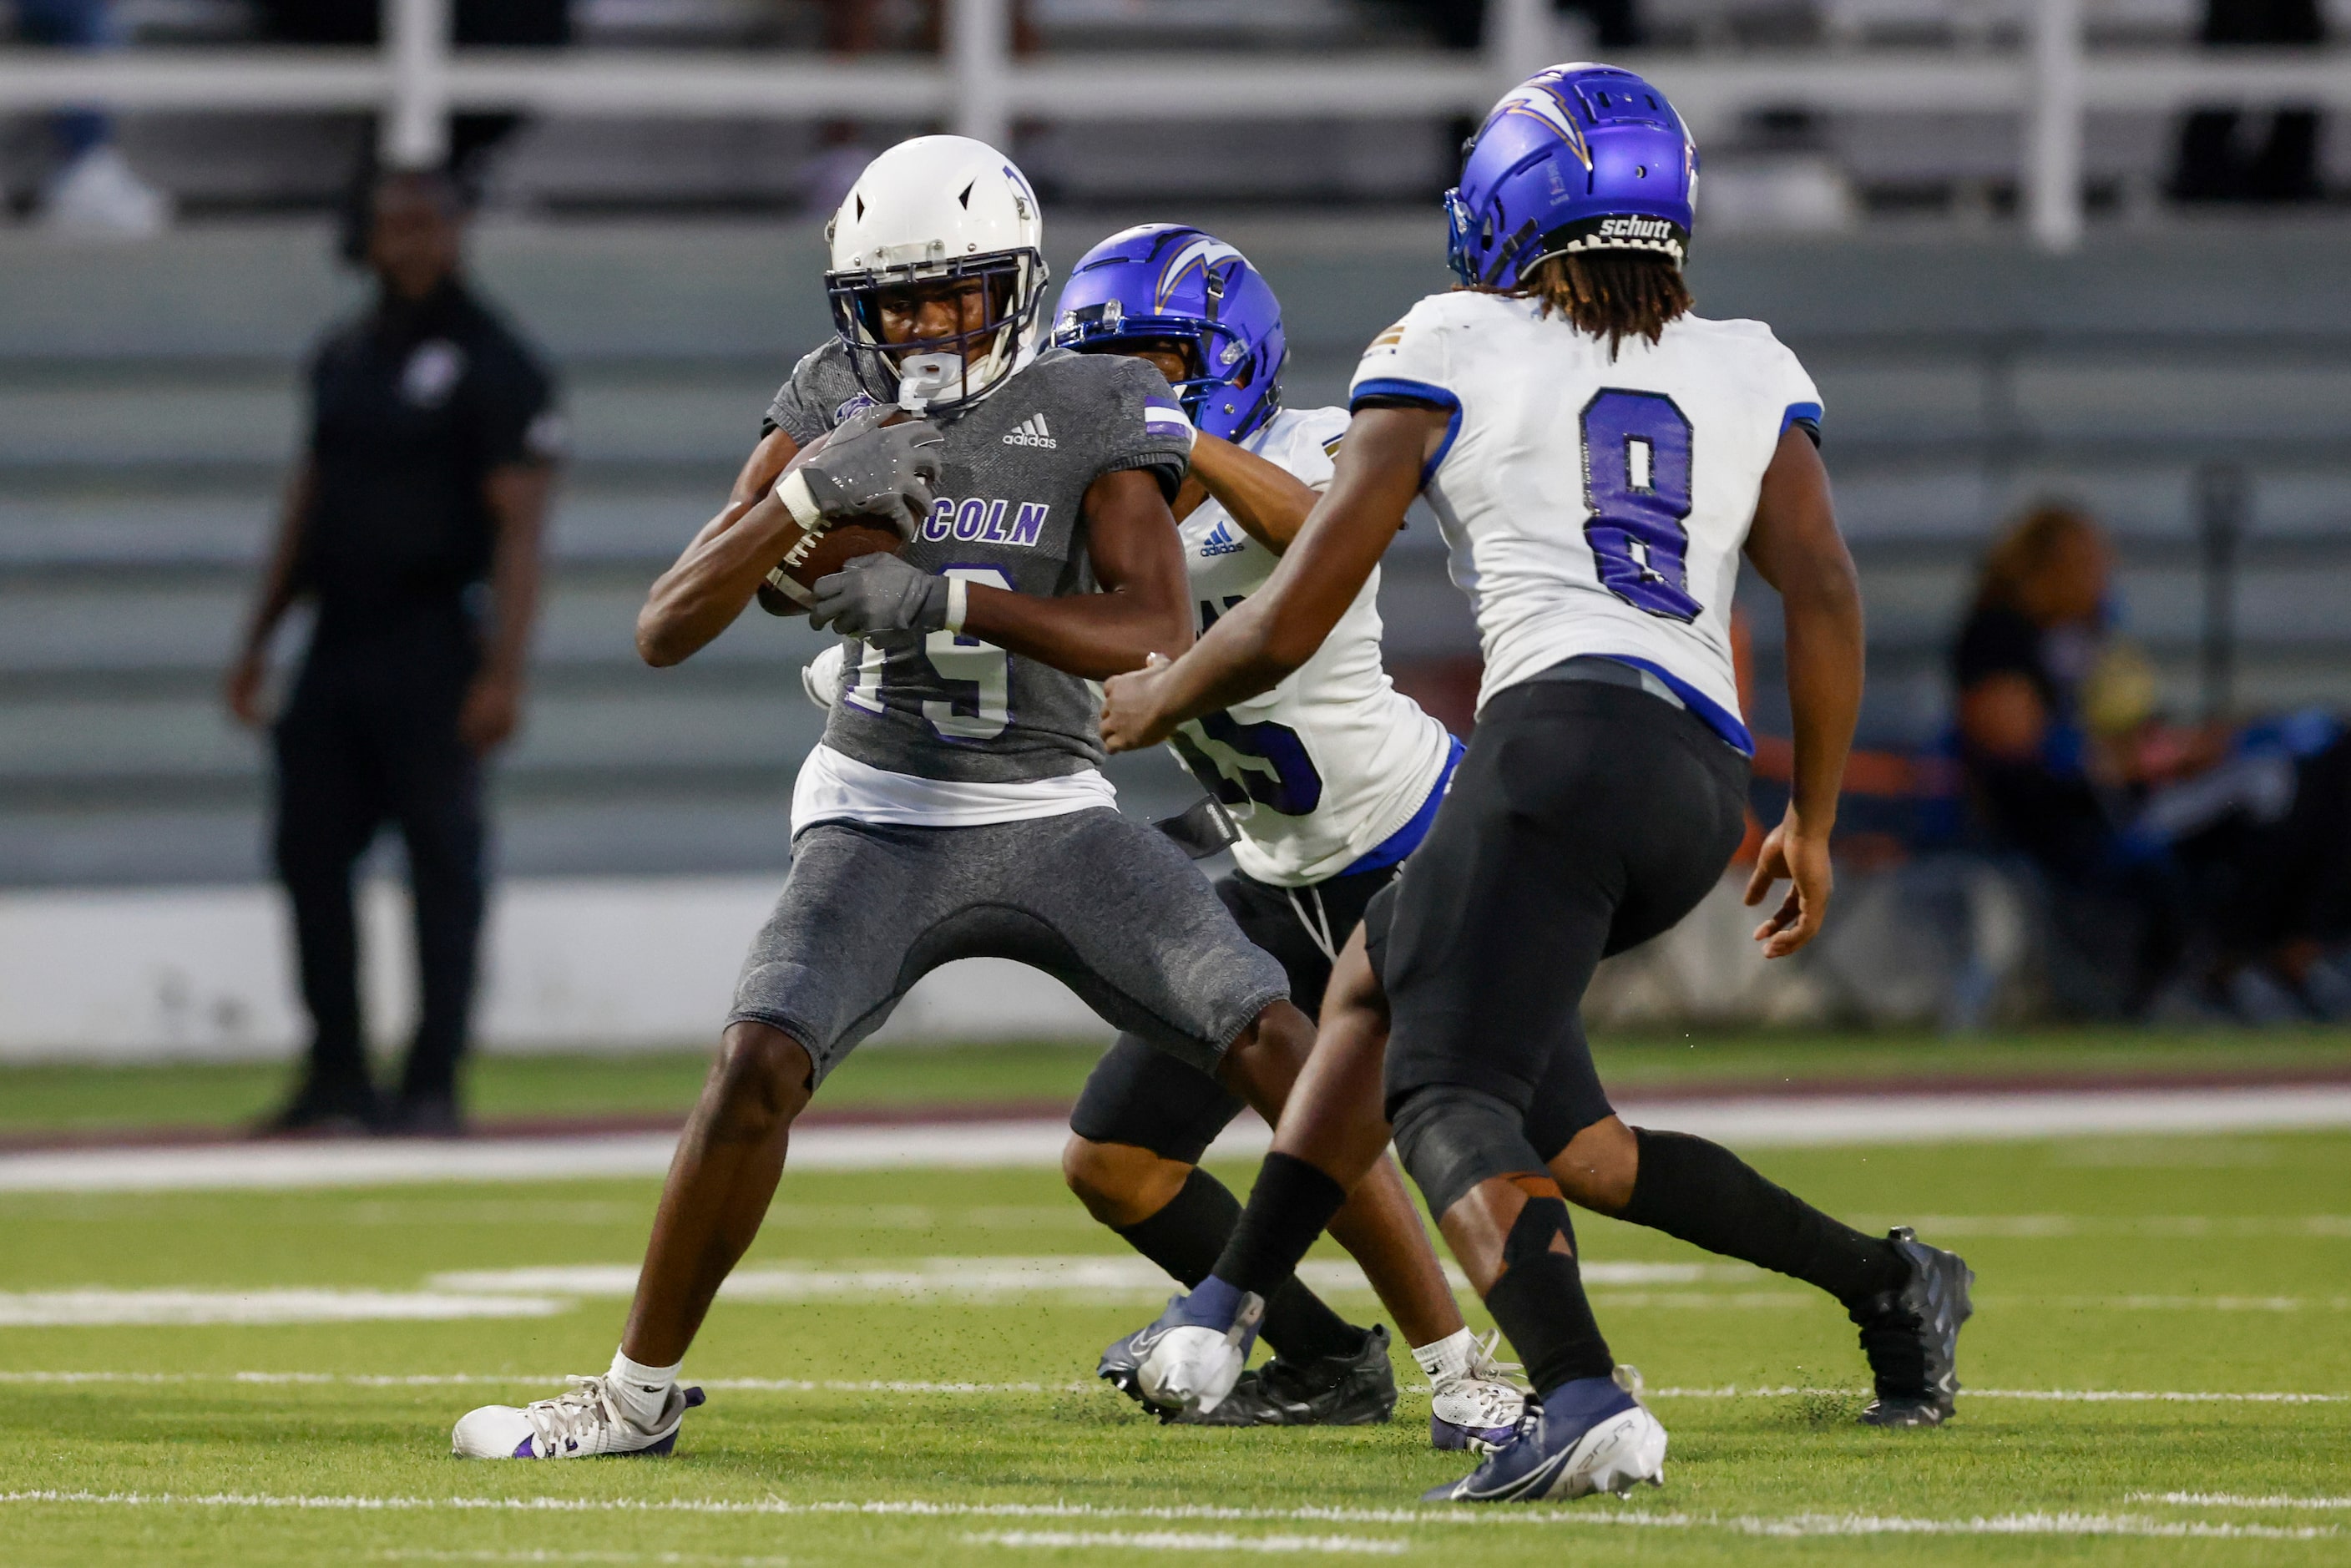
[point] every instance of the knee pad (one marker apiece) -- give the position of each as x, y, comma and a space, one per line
1453, 1138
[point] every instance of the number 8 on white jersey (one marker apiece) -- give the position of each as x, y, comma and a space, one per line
1591, 506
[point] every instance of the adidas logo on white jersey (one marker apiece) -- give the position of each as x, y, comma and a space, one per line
1032, 432
1220, 540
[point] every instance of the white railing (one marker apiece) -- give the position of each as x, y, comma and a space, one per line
979, 87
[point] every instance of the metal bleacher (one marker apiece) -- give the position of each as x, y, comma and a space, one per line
148, 407
149, 401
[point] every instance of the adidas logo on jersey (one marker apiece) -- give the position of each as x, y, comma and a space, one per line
1220, 541
1032, 432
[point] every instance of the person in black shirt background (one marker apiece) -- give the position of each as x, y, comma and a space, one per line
432, 447
2203, 867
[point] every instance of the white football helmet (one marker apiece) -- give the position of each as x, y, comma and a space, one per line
935, 208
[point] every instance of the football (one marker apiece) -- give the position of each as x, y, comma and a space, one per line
807, 557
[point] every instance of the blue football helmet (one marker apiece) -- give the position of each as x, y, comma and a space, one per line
1168, 282
1575, 158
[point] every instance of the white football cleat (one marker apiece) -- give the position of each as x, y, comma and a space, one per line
584, 1424
1478, 1408
1190, 1361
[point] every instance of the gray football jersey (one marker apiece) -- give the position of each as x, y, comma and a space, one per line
1012, 483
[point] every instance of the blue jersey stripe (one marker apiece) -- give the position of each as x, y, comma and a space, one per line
1407, 839
1419, 391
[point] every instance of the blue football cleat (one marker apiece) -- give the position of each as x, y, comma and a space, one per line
1588, 1435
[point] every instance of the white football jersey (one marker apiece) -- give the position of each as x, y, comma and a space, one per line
1592, 506
1322, 768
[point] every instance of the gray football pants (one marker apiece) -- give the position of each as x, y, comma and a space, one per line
1102, 904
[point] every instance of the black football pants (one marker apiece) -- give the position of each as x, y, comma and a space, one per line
371, 738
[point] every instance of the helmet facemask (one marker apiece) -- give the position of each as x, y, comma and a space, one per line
945, 372
1220, 368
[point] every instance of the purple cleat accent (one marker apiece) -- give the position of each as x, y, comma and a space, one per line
1450, 1435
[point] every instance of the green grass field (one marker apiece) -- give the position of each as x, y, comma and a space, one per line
2149, 1266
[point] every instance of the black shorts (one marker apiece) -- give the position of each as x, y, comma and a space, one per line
1149, 1099
1586, 819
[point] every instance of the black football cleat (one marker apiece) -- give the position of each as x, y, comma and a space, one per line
423, 1116
1911, 1336
325, 1108
1356, 1390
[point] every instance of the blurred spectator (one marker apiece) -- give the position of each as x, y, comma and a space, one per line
864, 27
2209, 865
2229, 156
1461, 24
474, 135
93, 190
433, 440
861, 26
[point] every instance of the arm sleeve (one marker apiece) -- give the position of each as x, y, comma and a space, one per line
515, 416
1148, 428
1407, 365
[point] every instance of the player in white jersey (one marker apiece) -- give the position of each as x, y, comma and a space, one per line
1326, 782
1600, 458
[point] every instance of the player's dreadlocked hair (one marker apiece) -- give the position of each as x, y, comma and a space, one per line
1612, 294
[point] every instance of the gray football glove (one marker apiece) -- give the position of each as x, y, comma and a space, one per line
880, 594
870, 469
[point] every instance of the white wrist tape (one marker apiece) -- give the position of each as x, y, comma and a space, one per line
959, 601
793, 492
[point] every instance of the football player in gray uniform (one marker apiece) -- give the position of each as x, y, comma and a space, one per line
956, 806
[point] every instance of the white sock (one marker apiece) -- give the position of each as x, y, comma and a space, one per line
641, 1391
1448, 1358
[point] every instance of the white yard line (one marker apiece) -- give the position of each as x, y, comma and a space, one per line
1792, 1525
908, 1386
1763, 1122
1185, 1540
549, 1379
543, 1292
101, 1308
2227, 1499
1096, 1277
2035, 1227
423, 1554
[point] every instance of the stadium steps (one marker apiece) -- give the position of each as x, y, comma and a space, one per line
149, 404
